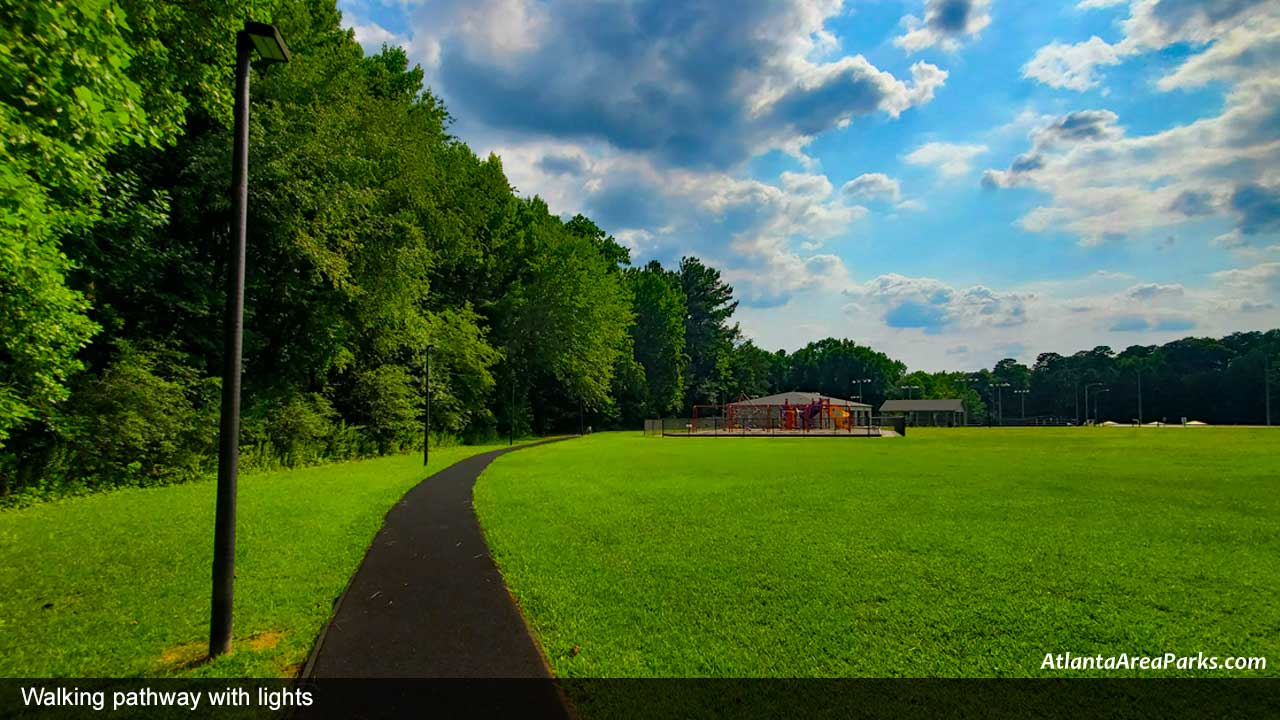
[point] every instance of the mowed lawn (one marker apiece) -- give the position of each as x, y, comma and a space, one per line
117, 584
963, 552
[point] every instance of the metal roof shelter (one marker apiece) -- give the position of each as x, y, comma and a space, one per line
947, 411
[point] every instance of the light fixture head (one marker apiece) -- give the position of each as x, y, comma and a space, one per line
267, 41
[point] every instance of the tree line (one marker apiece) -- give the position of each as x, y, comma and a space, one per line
373, 234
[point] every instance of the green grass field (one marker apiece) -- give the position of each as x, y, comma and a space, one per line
946, 553
117, 584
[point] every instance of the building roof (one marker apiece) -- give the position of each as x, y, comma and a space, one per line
801, 398
942, 405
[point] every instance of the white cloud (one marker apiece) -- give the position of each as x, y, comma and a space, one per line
689, 86
1259, 283
873, 185
1243, 33
1098, 4
373, 36
1104, 184
1061, 316
951, 159
1071, 66
1239, 54
1151, 291
946, 23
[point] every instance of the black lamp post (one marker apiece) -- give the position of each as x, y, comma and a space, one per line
426, 424
267, 41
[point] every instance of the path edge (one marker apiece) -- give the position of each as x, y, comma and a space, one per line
309, 666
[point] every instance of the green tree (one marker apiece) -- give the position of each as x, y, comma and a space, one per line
658, 336
66, 103
709, 338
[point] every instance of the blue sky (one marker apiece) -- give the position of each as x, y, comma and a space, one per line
950, 181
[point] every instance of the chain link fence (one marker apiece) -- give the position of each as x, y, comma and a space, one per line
720, 427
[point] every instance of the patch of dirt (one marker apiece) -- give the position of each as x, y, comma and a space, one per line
264, 640
184, 656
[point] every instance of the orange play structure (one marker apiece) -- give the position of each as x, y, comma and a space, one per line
809, 417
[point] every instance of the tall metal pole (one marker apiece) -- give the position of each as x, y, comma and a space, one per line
224, 526
1266, 385
1139, 396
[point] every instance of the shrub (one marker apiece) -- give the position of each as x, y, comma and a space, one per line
383, 400
147, 419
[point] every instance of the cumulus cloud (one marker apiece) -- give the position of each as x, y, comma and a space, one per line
1103, 183
950, 159
946, 23
562, 164
873, 186
1260, 283
1072, 66
1151, 291
1244, 34
688, 85
933, 306
917, 320
1258, 208
1076, 127
373, 36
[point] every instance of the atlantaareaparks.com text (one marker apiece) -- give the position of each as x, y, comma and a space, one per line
1167, 661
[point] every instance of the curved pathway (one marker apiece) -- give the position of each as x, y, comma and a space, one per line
428, 601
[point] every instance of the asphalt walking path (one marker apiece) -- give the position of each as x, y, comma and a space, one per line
428, 600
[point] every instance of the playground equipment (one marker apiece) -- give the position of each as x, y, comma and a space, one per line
820, 416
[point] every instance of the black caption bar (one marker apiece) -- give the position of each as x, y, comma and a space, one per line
598, 699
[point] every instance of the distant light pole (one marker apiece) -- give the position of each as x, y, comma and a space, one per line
426, 424
972, 381
1097, 405
1086, 398
267, 41
1000, 399
909, 388
859, 384
1266, 385
1023, 393
1139, 373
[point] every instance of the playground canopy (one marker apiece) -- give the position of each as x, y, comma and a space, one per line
801, 398
780, 410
